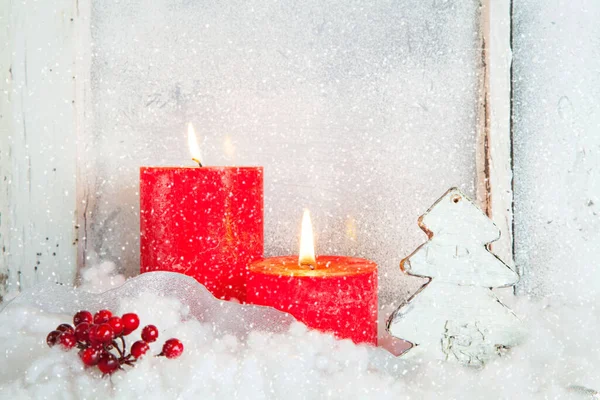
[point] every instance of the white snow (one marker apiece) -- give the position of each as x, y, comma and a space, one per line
100, 278
243, 352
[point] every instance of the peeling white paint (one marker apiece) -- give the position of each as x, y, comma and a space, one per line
38, 64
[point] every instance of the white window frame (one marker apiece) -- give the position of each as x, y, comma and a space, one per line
67, 22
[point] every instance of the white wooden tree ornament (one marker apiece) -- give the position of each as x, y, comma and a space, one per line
456, 316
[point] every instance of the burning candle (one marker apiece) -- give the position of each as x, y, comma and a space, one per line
330, 293
205, 222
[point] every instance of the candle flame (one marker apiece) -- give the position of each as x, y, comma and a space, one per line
307, 243
193, 144
351, 228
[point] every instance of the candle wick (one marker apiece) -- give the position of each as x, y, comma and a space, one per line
311, 266
198, 161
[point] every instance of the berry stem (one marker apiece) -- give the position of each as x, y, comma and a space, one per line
124, 359
123, 343
116, 346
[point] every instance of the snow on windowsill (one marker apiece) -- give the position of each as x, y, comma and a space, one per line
234, 351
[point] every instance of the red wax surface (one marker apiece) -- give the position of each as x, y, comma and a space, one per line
339, 296
205, 222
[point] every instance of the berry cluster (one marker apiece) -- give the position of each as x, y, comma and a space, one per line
96, 336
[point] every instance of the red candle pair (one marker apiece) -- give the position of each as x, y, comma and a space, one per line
207, 222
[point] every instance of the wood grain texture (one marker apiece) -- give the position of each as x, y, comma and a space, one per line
83, 118
456, 316
494, 147
38, 63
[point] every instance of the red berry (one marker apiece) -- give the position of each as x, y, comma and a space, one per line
102, 316
149, 334
108, 363
90, 356
103, 333
116, 324
139, 348
65, 328
92, 334
82, 332
67, 340
83, 316
52, 338
98, 346
130, 323
172, 348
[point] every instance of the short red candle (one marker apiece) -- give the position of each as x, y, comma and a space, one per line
205, 222
338, 296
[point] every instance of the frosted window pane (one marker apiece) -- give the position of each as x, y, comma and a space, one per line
364, 112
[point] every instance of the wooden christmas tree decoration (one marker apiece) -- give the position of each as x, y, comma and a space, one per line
456, 316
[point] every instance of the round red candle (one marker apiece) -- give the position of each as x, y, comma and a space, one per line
205, 222
338, 296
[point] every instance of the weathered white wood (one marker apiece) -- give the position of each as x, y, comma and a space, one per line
494, 155
456, 316
556, 115
38, 106
83, 124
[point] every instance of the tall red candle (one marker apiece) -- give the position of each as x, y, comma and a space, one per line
339, 295
205, 222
